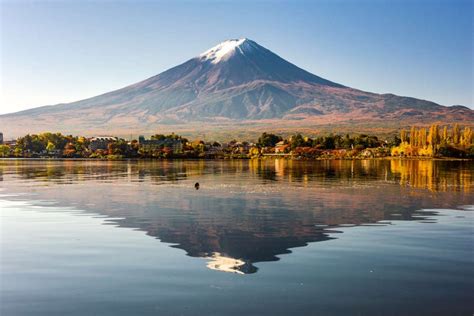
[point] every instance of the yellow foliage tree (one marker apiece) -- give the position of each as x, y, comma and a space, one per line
444, 138
413, 136
466, 137
433, 138
403, 136
456, 134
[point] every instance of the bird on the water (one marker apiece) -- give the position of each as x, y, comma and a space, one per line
196, 185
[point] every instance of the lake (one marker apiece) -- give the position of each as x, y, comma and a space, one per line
259, 237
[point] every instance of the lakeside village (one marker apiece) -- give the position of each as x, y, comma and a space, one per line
448, 141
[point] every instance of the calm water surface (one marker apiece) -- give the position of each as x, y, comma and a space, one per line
376, 237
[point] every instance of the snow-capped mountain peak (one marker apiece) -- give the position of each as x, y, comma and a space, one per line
225, 49
237, 80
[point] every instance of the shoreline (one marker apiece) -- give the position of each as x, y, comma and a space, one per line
235, 158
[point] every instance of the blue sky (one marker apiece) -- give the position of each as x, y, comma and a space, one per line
62, 51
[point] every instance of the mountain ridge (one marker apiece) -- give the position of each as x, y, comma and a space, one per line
236, 80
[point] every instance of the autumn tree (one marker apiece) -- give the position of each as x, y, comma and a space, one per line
434, 139
69, 150
466, 137
444, 137
456, 134
423, 137
413, 136
403, 136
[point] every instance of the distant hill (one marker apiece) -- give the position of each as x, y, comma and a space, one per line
236, 85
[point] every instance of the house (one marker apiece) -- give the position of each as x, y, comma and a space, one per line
10, 143
281, 147
101, 142
240, 147
213, 148
176, 145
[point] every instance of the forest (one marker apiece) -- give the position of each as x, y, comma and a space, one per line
433, 142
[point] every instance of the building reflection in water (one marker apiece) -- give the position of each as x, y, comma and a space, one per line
246, 211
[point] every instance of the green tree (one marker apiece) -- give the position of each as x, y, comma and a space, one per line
347, 142
394, 141
328, 142
297, 141
268, 140
18, 152
50, 147
4, 151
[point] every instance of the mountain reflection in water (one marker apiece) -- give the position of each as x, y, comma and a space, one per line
245, 211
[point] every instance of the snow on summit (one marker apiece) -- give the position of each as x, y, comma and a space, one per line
220, 51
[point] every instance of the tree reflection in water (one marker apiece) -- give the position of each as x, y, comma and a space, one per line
246, 211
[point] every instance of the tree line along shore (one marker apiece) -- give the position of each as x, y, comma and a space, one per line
436, 142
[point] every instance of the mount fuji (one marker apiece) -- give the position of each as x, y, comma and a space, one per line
236, 83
